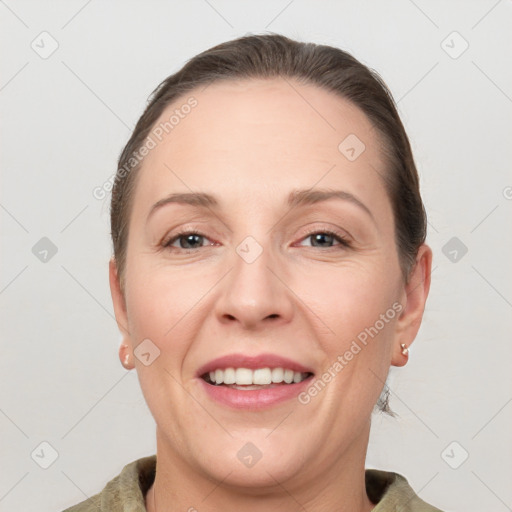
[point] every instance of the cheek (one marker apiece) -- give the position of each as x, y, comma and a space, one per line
157, 302
357, 311
161, 306
360, 309
166, 306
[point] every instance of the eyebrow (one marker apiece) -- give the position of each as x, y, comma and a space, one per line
297, 198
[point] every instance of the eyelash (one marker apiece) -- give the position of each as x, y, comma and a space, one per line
343, 242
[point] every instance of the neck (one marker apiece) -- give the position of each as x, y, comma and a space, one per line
340, 486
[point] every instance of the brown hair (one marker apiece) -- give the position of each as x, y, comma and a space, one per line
270, 56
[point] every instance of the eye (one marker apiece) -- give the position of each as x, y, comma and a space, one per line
325, 238
187, 240
190, 240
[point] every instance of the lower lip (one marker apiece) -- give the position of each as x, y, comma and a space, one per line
254, 398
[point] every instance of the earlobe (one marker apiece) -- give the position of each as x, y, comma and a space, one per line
415, 296
126, 357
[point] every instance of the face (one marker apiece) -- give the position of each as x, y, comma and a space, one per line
287, 268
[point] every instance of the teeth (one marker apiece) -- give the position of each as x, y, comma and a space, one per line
229, 376
260, 376
277, 375
242, 376
288, 376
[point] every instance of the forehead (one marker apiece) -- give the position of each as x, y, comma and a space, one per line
243, 137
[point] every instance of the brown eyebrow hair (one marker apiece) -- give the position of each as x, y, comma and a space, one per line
296, 198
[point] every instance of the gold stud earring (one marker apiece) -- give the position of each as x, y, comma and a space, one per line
126, 362
405, 350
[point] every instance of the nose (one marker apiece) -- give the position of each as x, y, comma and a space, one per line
254, 294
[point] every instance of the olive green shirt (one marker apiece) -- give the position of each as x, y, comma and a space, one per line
125, 493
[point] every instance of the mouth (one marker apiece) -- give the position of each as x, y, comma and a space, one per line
253, 382
246, 379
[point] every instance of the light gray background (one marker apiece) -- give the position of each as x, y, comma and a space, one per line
64, 120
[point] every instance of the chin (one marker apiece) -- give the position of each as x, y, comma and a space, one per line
261, 477
252, 464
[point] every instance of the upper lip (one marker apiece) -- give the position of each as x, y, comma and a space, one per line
252, 363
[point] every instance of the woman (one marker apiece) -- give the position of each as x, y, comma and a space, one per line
269, 267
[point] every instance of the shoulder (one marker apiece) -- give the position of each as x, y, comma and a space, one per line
391, 491
128, 487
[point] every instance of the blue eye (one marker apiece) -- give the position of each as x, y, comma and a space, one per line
191, 240
326, 236
187, 239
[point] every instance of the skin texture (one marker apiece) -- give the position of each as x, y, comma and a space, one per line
250, 144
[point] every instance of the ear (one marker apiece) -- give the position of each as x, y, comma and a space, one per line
120, 311
413, 301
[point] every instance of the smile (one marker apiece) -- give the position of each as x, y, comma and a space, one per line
246, 378
253, 382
